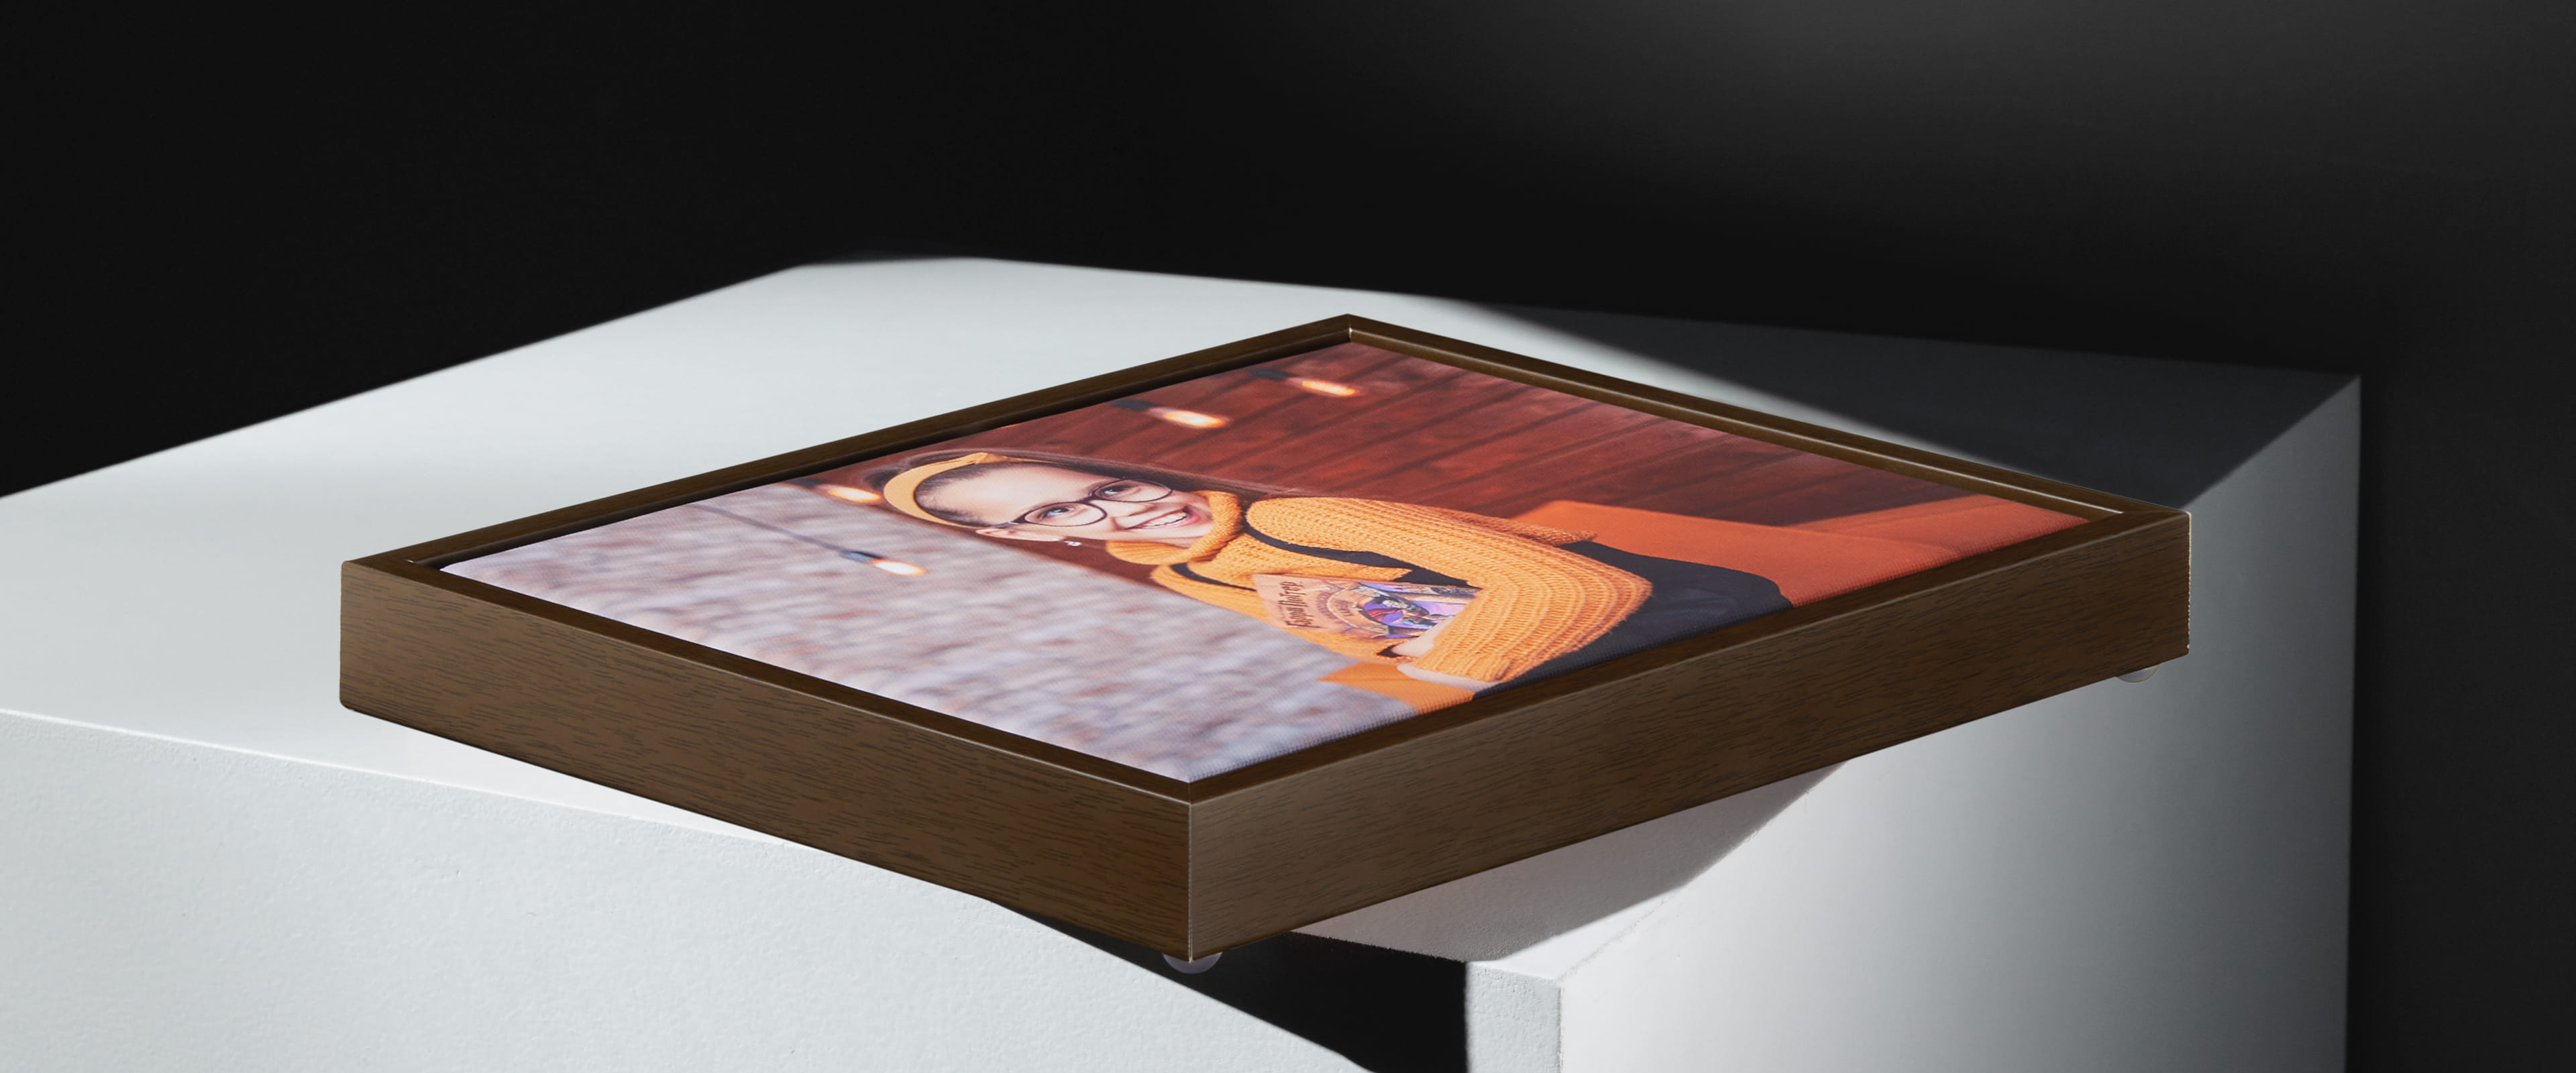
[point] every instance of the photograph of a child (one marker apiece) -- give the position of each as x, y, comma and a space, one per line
1263, 559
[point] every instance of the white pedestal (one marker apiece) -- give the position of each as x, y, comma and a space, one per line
2133, 876
210, 865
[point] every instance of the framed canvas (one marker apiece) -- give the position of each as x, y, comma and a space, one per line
1214, 647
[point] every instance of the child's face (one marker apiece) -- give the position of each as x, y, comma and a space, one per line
1054, 503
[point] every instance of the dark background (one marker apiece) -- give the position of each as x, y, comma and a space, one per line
236, 215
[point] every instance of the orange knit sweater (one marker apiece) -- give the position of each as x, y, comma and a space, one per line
1537, 602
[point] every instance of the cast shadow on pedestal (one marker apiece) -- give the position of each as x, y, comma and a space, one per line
1388, 1011
1386, 986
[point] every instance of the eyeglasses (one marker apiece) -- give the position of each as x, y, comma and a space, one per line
1084, 512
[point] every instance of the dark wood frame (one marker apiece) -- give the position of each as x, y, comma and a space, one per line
1191, 868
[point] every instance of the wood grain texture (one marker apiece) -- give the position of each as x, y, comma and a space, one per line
1192, 868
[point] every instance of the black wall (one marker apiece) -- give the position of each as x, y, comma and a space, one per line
240, 214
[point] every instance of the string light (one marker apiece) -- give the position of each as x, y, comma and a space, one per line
1320, 387
847, 494
892, 566
843, 492
1173, 414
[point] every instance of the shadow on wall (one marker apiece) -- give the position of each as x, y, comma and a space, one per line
2129, 426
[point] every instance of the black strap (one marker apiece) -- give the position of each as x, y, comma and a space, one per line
1415, 574
1184, 570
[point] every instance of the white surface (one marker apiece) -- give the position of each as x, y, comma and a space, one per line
2131, 875
196, 910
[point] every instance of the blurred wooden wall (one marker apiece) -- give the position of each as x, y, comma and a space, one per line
1422, 432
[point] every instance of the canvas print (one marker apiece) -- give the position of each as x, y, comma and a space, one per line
1262, 559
